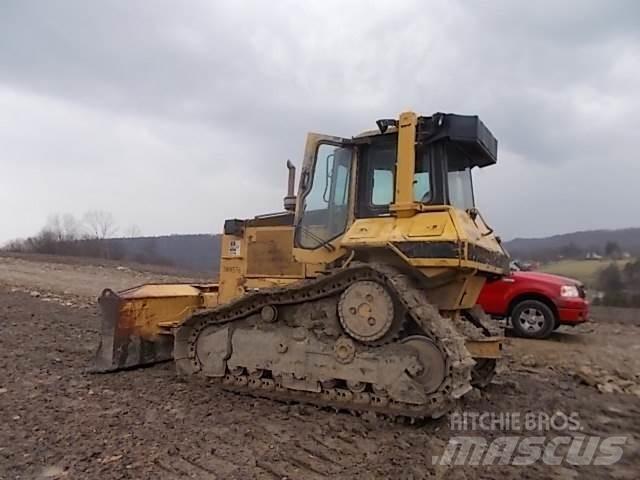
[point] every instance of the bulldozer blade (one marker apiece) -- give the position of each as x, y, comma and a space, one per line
120, 345
137, 324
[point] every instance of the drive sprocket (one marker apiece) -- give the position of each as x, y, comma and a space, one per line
366, 311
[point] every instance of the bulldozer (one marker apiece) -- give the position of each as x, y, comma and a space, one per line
360, 295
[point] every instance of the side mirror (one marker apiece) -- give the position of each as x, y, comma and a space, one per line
290, 199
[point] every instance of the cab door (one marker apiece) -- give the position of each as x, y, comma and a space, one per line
324, 205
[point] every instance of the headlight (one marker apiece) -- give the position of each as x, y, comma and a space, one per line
569, 291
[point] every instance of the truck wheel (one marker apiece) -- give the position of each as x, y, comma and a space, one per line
532, 319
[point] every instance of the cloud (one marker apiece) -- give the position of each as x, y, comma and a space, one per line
175, 117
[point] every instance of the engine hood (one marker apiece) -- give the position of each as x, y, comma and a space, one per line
546, 277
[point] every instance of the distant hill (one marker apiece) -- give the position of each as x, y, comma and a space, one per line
201, 252
198, 253
591, 240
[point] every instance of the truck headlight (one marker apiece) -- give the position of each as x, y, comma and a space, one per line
570, 291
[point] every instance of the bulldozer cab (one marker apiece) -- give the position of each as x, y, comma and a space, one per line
406, 167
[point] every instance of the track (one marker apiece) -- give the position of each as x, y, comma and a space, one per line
413, 299
475, 319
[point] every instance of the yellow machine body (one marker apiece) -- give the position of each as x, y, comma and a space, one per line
451, 249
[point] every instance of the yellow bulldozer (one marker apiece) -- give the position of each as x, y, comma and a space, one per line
360, 295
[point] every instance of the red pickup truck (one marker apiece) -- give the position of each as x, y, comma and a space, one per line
536, 303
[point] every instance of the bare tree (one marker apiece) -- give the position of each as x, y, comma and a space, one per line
63, 228
53, 228
71, 227
132, 231
15, 245
100, 224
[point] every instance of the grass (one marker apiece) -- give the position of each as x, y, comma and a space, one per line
584, 270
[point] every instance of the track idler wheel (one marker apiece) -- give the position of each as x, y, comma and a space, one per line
432, 370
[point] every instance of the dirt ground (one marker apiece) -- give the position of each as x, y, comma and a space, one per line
76, 277
59, 421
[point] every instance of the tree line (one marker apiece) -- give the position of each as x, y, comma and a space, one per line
620, 285
65, 234
572, 251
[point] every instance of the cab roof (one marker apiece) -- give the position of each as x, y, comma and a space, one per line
468, 132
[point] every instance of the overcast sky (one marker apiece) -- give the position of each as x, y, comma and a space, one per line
176, 115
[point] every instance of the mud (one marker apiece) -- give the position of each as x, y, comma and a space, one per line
59, 421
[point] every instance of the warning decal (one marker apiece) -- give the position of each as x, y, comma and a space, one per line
234, 248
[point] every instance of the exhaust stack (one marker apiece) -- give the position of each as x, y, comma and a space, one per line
290, 199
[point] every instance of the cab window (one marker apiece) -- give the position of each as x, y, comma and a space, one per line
376, 182
383, 186
459, 179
